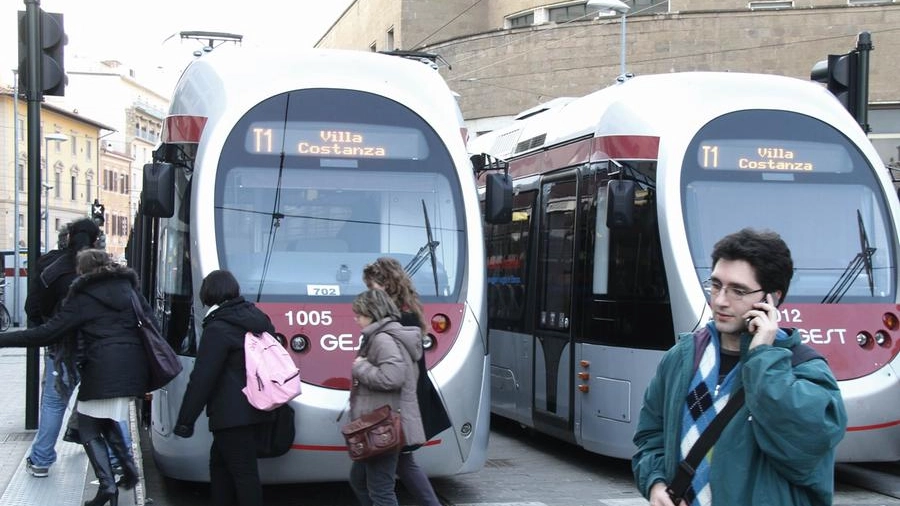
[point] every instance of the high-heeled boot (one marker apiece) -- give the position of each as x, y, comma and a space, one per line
113, 435
99, 458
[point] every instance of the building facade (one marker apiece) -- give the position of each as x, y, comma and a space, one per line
506, 56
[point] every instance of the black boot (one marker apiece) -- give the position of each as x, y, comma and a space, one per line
99, 458
113, 435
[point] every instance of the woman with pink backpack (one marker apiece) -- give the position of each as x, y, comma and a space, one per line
216, 382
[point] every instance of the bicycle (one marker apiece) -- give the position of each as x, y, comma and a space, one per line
5, 318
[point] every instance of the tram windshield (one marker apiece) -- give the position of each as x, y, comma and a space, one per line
303, 204
803, 179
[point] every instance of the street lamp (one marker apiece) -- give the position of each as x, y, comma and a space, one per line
47, 189
58, 137
617, 6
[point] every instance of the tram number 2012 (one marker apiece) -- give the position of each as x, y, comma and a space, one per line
308, 317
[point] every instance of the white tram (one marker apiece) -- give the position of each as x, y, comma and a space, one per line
294, 172
619, 197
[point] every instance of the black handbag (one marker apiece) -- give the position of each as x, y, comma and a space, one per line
274, 439
161, 358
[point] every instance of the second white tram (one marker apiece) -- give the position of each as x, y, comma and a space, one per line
619, 198
294, 172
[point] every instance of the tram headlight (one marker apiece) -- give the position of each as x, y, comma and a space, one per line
429, 341
440, 323
890, 321
881, 338
299, 343
862, 338
280, 338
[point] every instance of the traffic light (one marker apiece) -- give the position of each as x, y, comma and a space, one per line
52, 43
97, 213
841, 75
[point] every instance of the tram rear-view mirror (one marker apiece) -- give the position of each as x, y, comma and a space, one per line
498, 198
620, 204
158, 195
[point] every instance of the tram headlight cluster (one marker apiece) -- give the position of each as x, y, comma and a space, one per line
881, 337
299, 343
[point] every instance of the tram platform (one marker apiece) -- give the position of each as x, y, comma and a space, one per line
71, 480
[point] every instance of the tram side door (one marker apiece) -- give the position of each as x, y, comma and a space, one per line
553, 343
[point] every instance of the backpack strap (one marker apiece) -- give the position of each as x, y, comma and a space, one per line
804, 353
800, 353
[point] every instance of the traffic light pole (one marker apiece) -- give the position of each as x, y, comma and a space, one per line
863, 46
34, 96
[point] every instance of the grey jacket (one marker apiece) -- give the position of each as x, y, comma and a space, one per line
389, 375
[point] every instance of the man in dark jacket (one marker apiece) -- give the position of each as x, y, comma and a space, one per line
46, 291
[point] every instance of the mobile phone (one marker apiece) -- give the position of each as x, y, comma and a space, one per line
764, 299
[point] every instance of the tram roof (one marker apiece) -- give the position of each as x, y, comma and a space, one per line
652, 104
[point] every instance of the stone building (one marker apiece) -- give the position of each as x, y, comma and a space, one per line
506, 56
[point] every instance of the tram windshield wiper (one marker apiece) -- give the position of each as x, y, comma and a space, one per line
862, 261
427, 249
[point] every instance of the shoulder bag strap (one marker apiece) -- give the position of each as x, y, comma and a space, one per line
687, 467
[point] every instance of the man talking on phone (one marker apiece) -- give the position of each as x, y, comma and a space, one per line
778, 446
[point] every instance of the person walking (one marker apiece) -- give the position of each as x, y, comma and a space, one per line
383, 372
387, 274
97, 331
217, 379
780, 446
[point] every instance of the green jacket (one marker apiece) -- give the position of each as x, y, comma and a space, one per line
779, 447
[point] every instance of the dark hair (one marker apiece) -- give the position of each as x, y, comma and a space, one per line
767, 254
376, 304
217, 287
83, 234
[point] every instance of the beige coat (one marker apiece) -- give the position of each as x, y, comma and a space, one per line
389, 375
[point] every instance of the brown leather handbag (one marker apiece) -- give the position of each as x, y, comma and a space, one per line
375, 433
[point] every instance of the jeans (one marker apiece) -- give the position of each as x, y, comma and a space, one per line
373, 480
416, 481
50, 419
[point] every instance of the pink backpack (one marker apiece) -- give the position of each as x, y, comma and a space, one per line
272, 377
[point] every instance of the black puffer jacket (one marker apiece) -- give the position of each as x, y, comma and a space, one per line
220, 373
98, 311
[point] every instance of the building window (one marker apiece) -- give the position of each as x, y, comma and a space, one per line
57, 182
521, 21
21, 181
390, 40
770, 5
88, 188
372, 47
74, 142
74, 188
88, 149
568, 13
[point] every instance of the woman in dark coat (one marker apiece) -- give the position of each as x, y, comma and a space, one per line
109, 355
217, 379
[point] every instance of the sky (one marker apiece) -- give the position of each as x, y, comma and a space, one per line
144, 35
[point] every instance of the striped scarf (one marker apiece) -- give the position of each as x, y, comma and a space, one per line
704, 401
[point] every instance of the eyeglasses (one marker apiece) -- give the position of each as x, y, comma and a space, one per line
734, 294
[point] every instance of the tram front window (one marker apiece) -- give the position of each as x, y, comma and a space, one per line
314, 237
799, 177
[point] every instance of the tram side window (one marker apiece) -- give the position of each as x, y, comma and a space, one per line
557, 251
507, 251
635, 255
175, 288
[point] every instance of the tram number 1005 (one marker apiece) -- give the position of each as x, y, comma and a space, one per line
313, 318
